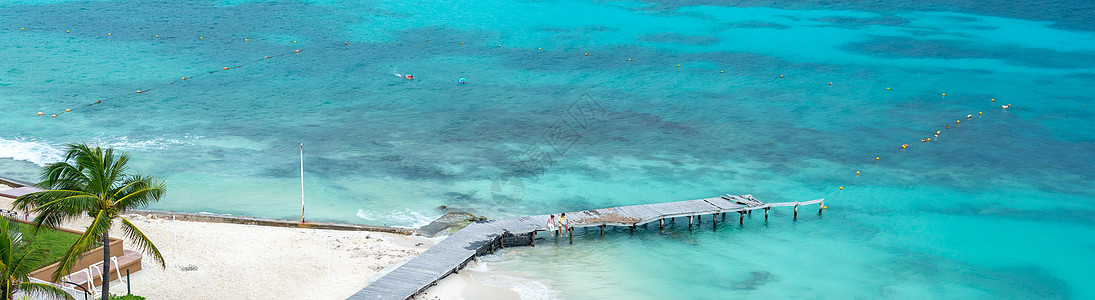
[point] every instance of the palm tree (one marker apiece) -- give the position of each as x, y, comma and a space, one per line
16, 262
92, 182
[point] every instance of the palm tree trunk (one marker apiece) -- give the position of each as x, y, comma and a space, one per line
106, 265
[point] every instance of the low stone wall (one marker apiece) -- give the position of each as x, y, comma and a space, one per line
232, 219
14, 183
222, 218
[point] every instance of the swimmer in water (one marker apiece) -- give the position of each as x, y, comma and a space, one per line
408, 76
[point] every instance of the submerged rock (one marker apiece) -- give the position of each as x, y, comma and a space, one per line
759, 278
450, 222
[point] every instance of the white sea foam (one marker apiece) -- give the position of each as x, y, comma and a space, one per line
124, 143
528, 289
397, 217
37, 152
43, 153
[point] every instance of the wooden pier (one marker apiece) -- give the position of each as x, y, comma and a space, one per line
456, 251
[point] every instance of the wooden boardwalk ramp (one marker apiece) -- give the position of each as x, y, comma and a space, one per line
456, 251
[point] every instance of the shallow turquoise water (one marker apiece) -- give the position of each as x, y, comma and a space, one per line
1001, 206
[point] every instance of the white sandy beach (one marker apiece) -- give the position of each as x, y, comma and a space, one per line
233, 261
219, 261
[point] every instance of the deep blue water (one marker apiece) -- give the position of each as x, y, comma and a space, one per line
783, 100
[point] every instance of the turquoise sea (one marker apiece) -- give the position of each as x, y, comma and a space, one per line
573, 105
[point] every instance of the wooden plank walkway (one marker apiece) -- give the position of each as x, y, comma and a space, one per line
456, 251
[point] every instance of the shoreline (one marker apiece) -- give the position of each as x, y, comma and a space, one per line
478, 281
226, 256
217, 260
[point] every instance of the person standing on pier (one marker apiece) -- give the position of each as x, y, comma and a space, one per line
551, 225
564, 224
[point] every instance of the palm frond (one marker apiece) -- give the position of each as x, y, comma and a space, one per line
141, 241
26, 264
89, 161
35, 288
67, 198
57, 206
8, 245
92, 234
62, 175
140, 191
116, 171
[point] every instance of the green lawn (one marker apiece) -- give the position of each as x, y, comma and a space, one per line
55, 242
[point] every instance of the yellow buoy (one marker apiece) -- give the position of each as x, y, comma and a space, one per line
944, 94
978, 113
992, 100
541, 49
428, 42
499, 45
587, 53
842, 188
157, 35
67, 110
720, 72
294, 42
877, 158
628, 59
830, 83
856, 173
938, 131
66, 31
39, 113
461, 43
244, 40
107, 33
22, 29
678, 66
887, 89
226, 68
201, 37
957, 121
824, 207
345, 43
